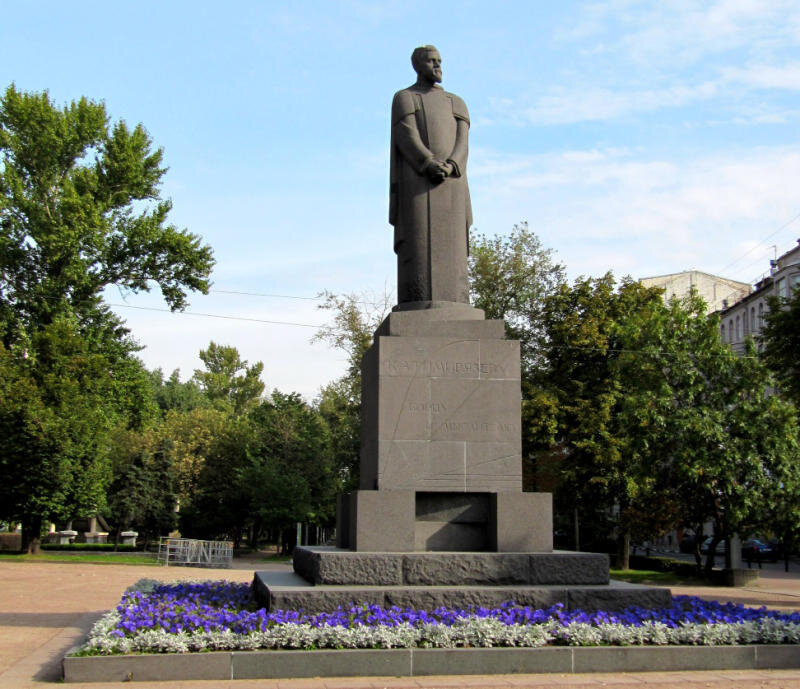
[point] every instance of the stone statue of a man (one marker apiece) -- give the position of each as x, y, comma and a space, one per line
429, 198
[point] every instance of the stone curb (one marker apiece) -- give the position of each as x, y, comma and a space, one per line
405, 662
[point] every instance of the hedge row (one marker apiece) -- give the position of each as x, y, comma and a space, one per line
76, 547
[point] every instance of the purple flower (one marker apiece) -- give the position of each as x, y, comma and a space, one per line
221, 605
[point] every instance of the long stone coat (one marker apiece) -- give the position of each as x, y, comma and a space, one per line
431, 221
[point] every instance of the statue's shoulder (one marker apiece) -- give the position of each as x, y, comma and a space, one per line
403, 104
459, 107
407, 101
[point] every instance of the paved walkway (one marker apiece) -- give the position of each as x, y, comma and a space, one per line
46, 608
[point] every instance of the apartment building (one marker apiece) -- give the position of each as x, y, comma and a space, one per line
745, 317
716, 291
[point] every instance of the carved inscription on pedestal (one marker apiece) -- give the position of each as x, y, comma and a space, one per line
448, 414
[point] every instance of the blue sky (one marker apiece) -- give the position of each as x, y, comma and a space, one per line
641, 137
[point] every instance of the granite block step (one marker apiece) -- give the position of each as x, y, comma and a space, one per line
289, 591
323, 565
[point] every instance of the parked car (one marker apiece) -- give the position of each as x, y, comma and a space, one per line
780, 548
754, 549
707, 544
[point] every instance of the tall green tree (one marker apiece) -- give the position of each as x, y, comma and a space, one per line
654, 410
289, 473
267, 469
171, 394
510, 278
584, 327
355, 319
143, 491
58, 408
339, 405
703, 422
228, 381
80, 210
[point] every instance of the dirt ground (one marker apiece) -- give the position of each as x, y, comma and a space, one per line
47, 608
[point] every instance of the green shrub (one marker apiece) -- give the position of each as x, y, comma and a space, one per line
665, 564
84, 547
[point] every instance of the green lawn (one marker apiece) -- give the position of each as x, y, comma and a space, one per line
646, 576
113, 559
93, 558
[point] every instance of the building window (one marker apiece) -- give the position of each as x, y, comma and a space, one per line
722, 332
760, 315
738, 336
780, 288
753, 318
730, 330
744, 322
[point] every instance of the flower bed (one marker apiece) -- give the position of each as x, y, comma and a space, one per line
212, 616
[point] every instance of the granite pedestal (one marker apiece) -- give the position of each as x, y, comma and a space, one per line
440, 517
440, 440
326, 578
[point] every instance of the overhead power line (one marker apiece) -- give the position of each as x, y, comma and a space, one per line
760, 243
376, 302
218, 315
606, 350
262, 294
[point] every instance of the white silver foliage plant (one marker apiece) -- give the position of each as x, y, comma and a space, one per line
139, 625
471, 633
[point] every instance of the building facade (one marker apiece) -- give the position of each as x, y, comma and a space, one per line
716, 291
745, 317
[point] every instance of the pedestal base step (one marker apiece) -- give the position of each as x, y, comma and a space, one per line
288, 591
323, 565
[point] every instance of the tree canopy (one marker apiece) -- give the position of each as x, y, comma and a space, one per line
228, 382
58, 407
635, 414
355, 319
80, 211
510, 278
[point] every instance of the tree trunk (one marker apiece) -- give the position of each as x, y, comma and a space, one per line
712, 549
117, 536
577, 524
237, 539
624, 550
698, 541
288, 539
31, 535
698, 557
788, 546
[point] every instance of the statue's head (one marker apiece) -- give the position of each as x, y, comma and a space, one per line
427, 63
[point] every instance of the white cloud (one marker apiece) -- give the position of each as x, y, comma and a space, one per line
786, 76
612, 209
638, 57
764, 113
684, 31
565, 106
598, 104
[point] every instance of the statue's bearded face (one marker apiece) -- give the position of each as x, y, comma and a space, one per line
429, 66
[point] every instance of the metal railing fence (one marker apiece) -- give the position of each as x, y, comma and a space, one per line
191, 552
